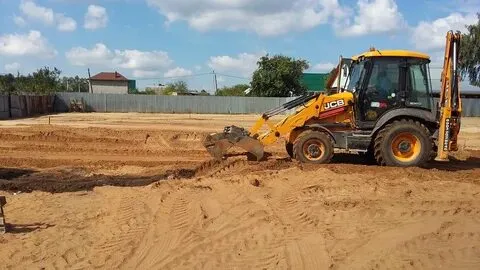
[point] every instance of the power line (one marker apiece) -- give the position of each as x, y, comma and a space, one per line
173, 77
233, 76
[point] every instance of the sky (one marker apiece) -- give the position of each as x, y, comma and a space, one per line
161, 41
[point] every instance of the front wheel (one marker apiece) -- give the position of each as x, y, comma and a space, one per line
289, 148
313, 147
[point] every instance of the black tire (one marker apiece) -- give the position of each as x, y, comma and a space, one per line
403, 143
313, 147
289, 148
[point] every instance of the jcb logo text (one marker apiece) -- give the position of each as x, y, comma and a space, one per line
334, 104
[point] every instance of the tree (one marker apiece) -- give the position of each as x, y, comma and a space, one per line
236, 90
45, 81
149, 91
469, 51
74, 84
179, 87
204, 93
278, 76
7, 84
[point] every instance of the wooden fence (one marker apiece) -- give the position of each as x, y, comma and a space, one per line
25, 106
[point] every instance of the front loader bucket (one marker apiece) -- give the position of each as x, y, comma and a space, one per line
217, 144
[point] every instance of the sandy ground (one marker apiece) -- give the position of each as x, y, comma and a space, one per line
138, 191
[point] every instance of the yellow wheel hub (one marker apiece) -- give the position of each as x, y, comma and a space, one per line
406, 147
313, 149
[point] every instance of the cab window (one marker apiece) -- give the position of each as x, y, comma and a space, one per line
418, 85
383, 86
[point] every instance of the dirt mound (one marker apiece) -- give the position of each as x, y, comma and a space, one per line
235, 213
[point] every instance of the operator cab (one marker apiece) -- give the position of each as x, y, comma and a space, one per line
382, 81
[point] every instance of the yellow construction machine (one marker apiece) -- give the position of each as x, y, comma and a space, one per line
383, 108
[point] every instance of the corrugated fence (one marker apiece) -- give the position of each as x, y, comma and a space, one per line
25, 106
168, 104
192, 104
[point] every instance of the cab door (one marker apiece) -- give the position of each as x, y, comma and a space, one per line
383, 89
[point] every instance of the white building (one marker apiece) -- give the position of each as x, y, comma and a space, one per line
109, 83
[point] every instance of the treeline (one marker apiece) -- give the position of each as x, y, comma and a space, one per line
42, 81
181, 88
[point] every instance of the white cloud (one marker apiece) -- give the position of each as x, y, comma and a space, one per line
267, 17
33, 44
65, 24
100, 55
431, 35
146, 74
142, 63
145, 60
19, 21
96, 17
178, 72
243, 64
373, 16
38, 13
323, 67
13, 67
47, 16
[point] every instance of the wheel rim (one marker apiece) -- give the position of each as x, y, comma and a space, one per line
406, 147
313, 149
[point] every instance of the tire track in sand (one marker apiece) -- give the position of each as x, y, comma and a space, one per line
126, 231
390, 241
202, 236
433, 251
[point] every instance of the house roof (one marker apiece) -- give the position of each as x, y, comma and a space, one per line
109, 76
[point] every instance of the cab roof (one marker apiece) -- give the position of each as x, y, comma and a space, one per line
391, 53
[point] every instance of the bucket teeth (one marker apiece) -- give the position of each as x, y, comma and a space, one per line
217, 144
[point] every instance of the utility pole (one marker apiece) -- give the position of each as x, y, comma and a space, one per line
215, 84
90, 81
67, 84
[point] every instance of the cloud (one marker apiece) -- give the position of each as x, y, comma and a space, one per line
266, 18
19, 21
38, 13
145, 60
177, 72
46, 16
373, 17
243, 64
65, 24
431, 35
146, 74
31, 44
323, 67
13, 67
100, 55
96, 17
142, 63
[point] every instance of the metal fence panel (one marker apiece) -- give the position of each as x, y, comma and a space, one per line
192, 104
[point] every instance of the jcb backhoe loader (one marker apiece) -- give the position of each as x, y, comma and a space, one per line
385, 109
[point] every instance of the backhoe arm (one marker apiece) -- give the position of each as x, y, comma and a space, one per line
288, 124
450, 104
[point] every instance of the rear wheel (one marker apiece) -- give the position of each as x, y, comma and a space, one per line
313, 147
403, 143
